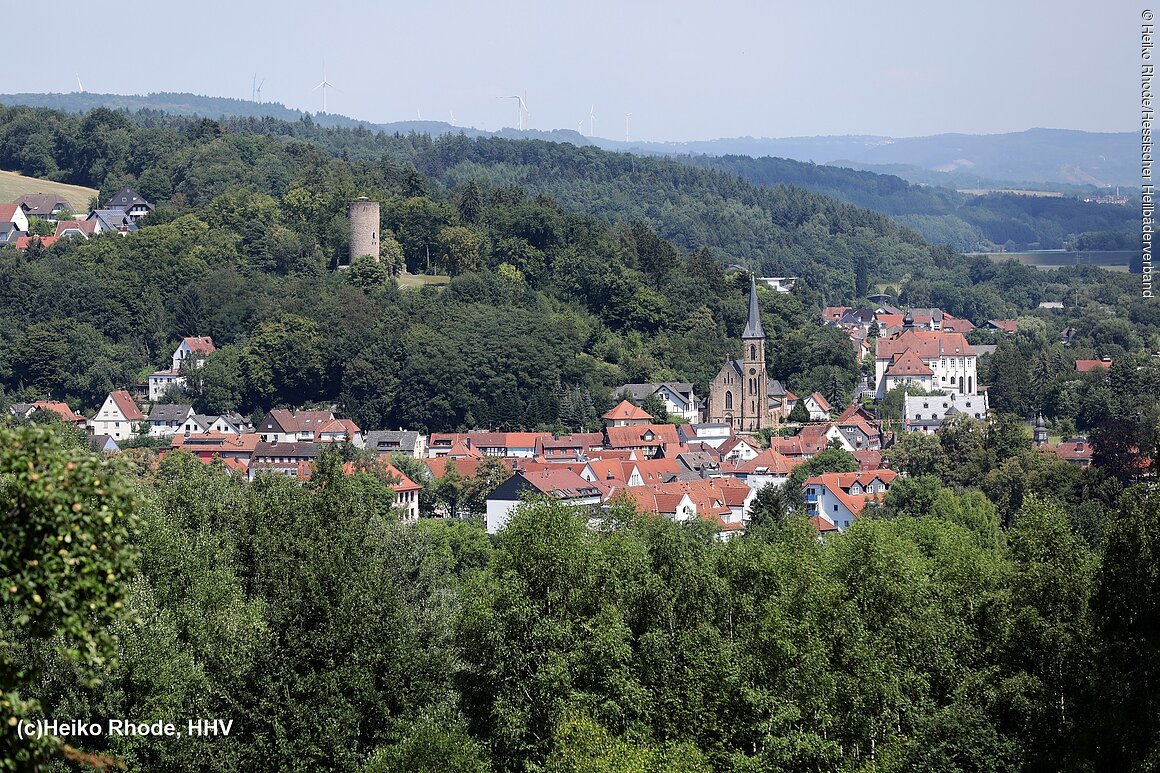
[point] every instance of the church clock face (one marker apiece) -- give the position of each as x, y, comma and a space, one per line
753, 371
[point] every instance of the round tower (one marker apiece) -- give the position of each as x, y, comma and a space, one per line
364, 229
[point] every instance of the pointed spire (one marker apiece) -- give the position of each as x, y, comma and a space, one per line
753, 327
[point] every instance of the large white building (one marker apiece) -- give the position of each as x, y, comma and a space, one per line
926, 413
934, 360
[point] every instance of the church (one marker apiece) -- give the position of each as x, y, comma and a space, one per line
741, 394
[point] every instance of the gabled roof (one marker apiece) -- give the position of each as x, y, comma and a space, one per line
464, 467
1086, 366
908, 364
626, 411
66, 414
126, 406
768, 462
1006, 325
821, 401
338, 427
125, 199
562, 483
43, 204
8, 212
170, 412
217, 441
200, 344
86, 227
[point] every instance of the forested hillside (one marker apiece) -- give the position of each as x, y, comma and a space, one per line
563, 271
944, 216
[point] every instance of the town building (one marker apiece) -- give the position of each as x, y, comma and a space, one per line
947, 356
739, 395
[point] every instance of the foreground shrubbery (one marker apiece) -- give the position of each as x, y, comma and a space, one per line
336, 639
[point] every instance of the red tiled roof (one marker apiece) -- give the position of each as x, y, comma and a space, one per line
561, 482
467, 468
126, 405
821, 401
403, 483
217, 441
338, 427
634, 437
768, 461
821, 524
927, 344
656, 470
908, 364
22, 242
1087, 366
66, 414
84, 226
1006, 325
202, 344
8, 212
868, 459
627, 411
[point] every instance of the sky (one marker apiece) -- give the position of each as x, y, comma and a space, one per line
684, 69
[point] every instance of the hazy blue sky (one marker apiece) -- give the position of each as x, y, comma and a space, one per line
685, 70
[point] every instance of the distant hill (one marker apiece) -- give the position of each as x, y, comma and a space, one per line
13, 186
1032, 158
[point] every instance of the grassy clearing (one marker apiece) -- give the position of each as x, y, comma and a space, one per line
419, 280
13, 186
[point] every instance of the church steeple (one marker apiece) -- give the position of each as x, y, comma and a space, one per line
753, 327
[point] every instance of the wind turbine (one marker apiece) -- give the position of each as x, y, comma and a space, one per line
592, 121
254, 88
324, 85
260, 85
453, 118
521, 108
80, 87
626, 117
580, 127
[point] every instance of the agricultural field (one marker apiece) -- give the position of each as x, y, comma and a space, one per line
14, 185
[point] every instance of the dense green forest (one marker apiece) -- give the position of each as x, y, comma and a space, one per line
928, 638
575, 270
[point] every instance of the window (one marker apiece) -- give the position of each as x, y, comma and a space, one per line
752, 352
728, 401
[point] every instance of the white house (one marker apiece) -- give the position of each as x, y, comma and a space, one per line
563, 484
195, 350
712, 434
818, 407
767, 468
167, 419
839, 497
677, 397
118, 417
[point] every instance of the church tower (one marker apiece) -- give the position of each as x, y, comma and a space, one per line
755, 390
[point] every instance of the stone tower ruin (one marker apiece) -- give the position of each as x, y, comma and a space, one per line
364, 229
